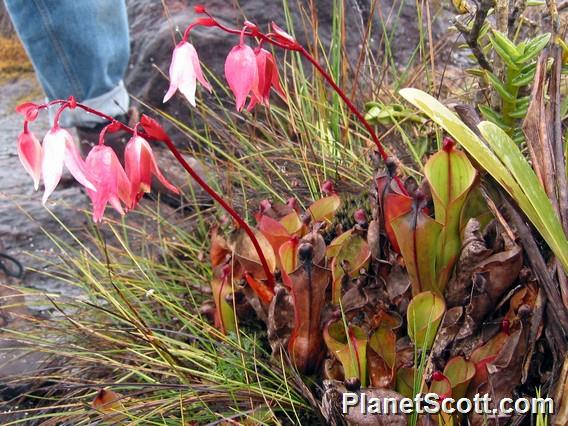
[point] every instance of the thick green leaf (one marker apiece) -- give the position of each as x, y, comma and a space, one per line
381, 354
524, 78
494, 166
534, 47
354, 255
499, 87
333, 248
475, 207
491, 115
324, 208
500, 40
523, 102
545, 219
425, 312
459, 372
350, 348
417, 235
518, 113
405, 378
477, 72
441, 386
509, 57
451, 177
288, 254
292, 222
224, 314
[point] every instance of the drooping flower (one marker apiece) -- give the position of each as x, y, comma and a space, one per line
112, 184
267, 78
185, 70
59, 149
241, 72
140, 165
29, 151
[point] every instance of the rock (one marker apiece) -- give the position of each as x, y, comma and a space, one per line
17, 359
153, 36
6, 28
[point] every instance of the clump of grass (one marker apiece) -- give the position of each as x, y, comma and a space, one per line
137, 330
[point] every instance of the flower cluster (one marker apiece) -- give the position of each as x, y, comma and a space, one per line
101, 172
249, 72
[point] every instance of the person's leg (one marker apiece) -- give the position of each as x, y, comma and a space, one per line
79, 48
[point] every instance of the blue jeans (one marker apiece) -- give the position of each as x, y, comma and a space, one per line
79, 48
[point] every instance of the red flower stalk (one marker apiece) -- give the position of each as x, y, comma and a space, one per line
102, 173
240, 59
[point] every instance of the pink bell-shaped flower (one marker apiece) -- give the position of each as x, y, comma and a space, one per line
185, 70
29, 151
267, 78
112, 184
59, 149
241, 72
140, 165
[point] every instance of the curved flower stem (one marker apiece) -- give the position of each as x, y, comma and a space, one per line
345, 99
206, 188
352, 108
58, 114
227, 207
194, 175
295, 46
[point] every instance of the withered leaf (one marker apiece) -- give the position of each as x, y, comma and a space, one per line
374, 238
309, 284
332, 404
219, 249
280, 319
473, 251
493, 276
108, 401
247, 256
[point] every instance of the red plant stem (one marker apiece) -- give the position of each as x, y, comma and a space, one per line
352, 108
58, 114
347, 101
200, 182
254, 32
227, 207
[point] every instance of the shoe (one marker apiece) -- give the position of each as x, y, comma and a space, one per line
89, 136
